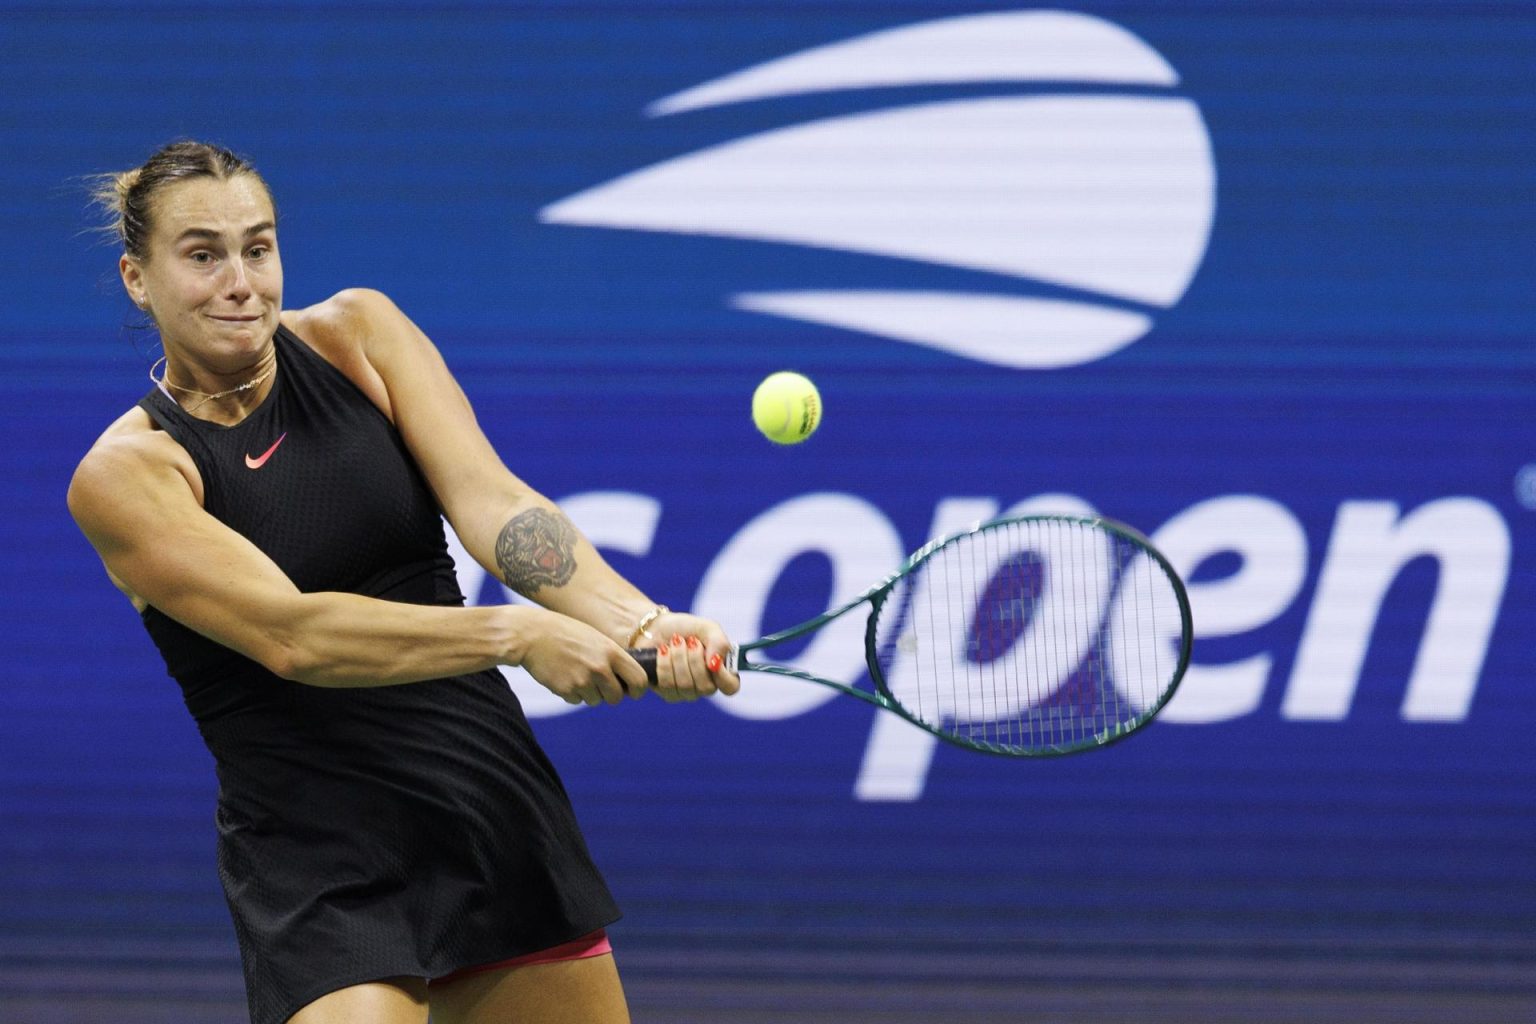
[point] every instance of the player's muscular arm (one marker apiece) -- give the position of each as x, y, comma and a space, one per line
133, 499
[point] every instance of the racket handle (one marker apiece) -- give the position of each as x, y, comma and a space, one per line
646, 656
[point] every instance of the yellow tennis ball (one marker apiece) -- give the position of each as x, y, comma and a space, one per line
786, 407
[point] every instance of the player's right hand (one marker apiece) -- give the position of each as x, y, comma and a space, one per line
579, 664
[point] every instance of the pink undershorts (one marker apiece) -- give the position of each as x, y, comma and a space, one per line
595, 944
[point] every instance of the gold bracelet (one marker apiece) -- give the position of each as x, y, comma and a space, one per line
642, 630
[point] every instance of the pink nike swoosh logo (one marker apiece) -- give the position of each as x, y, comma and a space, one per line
257, 463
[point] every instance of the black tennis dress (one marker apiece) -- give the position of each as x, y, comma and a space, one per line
367, 832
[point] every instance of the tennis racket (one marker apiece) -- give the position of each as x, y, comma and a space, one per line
1031, 636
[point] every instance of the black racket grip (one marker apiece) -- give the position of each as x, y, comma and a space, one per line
646, 656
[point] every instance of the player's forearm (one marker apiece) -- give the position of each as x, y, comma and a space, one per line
536, 551
342, 640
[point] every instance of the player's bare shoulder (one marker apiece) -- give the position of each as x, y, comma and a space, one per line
131, 452
342, 329
135, 476
347, 322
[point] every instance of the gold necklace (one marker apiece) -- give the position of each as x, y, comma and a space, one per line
164, 382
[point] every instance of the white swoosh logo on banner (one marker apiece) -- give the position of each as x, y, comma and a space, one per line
1010, 46
1112, 194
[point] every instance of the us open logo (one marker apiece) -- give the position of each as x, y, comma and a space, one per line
1087, 213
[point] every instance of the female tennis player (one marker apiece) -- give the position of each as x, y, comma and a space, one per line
392, 841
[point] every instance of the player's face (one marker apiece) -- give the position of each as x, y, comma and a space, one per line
212, 278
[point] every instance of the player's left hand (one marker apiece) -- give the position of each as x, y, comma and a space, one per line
691, 658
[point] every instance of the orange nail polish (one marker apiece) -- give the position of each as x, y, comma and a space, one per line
693, 643
714, 663
677, 640
661, 651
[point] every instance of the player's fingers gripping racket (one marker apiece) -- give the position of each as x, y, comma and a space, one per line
1030, 636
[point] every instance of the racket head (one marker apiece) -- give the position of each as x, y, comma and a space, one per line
1031, 636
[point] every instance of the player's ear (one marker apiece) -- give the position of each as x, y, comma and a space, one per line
133, 280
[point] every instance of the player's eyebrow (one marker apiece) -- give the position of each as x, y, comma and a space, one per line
254, 229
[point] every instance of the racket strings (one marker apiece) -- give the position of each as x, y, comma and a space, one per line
1033, 635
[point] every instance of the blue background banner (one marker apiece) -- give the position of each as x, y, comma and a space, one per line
1255, 278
